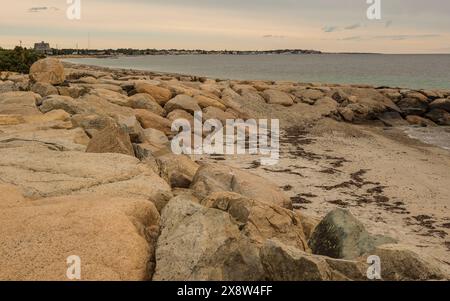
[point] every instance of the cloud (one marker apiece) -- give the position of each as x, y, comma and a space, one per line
353, 38
268, 36
391, 37
38, 9
353, 26
330, 28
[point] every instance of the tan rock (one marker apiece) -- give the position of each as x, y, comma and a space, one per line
420, 121
112, 139
278, 97
178, 170
39, 171
49, 70
286, 263
44, 89
182, 102
260, 221
113, 237
205, 101
399, 263
19, 103
199, 243
216, 113
161, 95
145, 102
214, 177
153, 121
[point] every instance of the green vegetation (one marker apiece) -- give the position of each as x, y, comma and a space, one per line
18, 60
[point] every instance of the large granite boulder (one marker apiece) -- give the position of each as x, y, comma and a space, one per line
44, 89
413, 106
49, 70
115, 238
278, 97
215, 178
151, 120
400, 263
111, 139
439, 116
260, 221
182, 102
40, 170
340, 235
441, 104
160, 94
199, 243
19, 103
286, 263
146, 102
178, 170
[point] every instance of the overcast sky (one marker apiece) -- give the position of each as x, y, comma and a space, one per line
407, 26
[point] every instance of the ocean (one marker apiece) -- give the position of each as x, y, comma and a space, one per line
425, 71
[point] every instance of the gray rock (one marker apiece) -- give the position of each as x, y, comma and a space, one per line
439, 116
413, 106
199, 243
341, 235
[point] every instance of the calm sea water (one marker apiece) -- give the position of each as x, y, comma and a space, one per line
409, 71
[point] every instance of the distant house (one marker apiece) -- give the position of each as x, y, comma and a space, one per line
43, 47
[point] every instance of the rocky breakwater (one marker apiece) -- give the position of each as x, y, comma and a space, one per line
86, 170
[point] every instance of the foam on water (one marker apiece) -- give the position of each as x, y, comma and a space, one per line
439, 136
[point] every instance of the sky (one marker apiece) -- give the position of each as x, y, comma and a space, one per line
406, 26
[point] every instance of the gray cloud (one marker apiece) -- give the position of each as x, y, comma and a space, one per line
330, 28
270, 36
38, 9
391, 37
353, 26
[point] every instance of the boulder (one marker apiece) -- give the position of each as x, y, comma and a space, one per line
214, 177
114, 238
72, 91
260, 221
182, 102
44, 89
132, 127
181, 114
161, 95
205, 101
19, 103
155, 137
7, 86
49, 70
441, 104
111, 96
413, 106
40, 170
145, 102
51, 134
178, 170
392, 119
416, 95
91, 123
216, 113
199, 244
59, 102
310, 96
286, 263
151, 120
112, 139
439, 116
340, 235
278, 97
400, 263
420, 121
